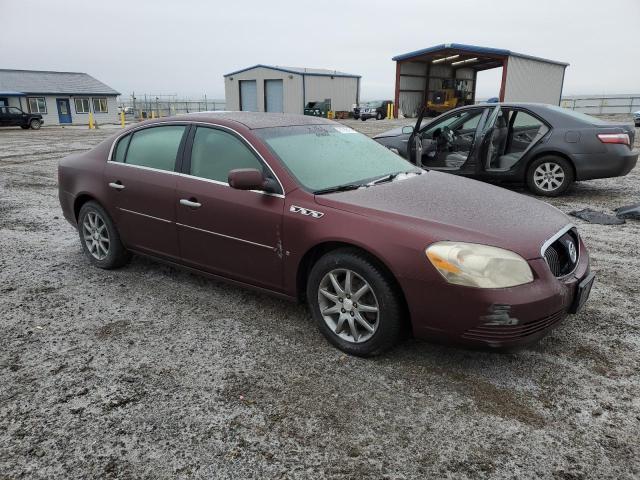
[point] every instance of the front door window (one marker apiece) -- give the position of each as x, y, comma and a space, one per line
448, 143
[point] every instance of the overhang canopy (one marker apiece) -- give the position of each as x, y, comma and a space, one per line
468, 56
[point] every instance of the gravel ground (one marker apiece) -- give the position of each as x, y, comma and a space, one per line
151, 372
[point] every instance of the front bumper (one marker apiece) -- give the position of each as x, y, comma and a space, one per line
368, 114
497, 318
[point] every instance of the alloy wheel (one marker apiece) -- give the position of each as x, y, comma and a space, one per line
96, 235
548, 176
348, 305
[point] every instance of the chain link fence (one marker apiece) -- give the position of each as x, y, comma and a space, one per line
142, 106
602, 104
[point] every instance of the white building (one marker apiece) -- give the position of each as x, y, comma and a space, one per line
264, 88
62, 98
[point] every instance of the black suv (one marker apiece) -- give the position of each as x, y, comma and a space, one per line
377, 110
14, 117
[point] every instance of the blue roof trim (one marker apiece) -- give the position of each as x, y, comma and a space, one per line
13, 94
285, 70
472, 49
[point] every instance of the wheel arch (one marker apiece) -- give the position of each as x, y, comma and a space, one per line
79, 201
312, 255
556, 153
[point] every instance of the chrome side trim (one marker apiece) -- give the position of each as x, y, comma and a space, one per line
191, 122
226, 236
185, 175
145, 215
142, 167
225, 184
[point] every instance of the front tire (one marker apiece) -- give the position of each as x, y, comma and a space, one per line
99, 237
35, 124
354, 303
549, 176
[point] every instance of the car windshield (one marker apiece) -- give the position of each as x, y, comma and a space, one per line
374, 104
326, 156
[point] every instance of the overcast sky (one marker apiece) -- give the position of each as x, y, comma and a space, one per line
185, 46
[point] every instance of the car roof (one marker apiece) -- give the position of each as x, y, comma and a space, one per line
255, 120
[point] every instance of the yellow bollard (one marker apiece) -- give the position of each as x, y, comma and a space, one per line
91, 125
153, 114
122, 118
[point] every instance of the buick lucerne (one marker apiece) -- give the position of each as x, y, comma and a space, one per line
311, 210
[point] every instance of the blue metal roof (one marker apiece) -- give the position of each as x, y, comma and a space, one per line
472, 49
312, 72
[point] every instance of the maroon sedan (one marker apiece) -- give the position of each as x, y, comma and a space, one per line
310, 209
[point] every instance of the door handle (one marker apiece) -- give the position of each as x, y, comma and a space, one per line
117, 185
190, 203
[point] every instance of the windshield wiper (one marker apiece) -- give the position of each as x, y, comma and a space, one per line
391, 176
386, 178
338, 188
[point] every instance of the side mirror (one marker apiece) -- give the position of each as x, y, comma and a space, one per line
407, 129
249, 179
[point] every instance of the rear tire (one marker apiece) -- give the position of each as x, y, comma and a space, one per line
362, 315
379, 116
35, 124
99, 237
363, 119
550, 176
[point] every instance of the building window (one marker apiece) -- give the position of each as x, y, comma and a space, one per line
100, 105
82, 105
37, 105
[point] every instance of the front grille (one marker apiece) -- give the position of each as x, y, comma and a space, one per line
502, 333
563, 254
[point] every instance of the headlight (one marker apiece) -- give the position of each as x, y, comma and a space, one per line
479, 266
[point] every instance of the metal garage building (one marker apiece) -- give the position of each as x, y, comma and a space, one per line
264, 88
524, 78
60, 97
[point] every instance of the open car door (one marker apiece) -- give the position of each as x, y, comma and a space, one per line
452, 141
483, 139
414, 145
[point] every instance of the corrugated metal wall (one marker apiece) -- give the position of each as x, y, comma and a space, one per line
533, 81
410, 102
292, 86
343, 91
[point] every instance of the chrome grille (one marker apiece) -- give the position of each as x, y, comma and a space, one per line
558, 254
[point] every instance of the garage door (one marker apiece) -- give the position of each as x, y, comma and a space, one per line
248, 96
273, 96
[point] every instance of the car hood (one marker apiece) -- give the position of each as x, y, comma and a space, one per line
446, 207
396, 132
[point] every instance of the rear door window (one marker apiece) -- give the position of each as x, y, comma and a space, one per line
155, 147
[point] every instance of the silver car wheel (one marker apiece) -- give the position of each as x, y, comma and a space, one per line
549, 176
96, 235
348, 305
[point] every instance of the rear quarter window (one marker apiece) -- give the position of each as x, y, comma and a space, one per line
121, 149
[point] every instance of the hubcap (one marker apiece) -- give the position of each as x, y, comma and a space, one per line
548, 176
348, 305
96, 235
